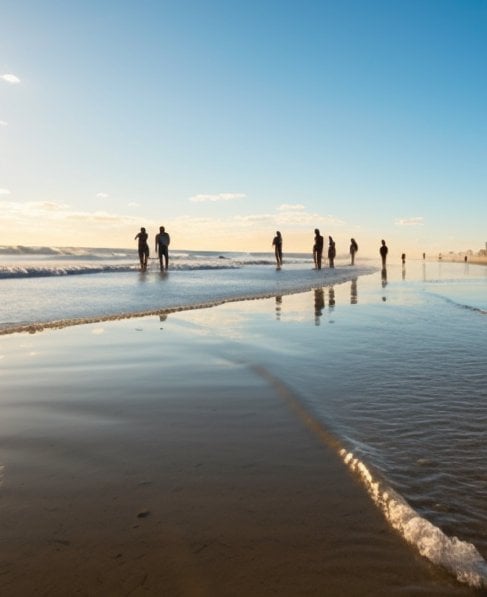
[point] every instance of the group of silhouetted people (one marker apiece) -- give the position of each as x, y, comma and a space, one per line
317, 250
162, 241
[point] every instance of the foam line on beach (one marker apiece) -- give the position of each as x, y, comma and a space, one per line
459, 558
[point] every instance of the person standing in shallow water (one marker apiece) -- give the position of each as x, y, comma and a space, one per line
353, 250
318, 249
142, 237
331, 252
277, 244
383, 252
162, 247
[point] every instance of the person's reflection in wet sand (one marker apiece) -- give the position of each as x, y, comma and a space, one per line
331, 299
278, 307
353, 292
162, 319
403, 271
319, 304
383, 276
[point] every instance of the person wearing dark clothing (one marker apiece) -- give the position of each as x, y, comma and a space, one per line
142, 237
353, 250
162, 244
331, 252
383, 252
318, 249
277, 244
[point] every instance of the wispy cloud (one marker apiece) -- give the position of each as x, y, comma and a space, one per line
31, 209
291, 216
217, 197
98, 217
417, 221
291, 207
52, 211
102, 195
296, 215
4, 192
9, 78
133, 204
49, 206
3, 123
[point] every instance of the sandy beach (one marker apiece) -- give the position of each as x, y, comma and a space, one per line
144, 457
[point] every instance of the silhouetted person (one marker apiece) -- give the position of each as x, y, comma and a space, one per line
162, 247
353, 250
142, 237
424, 256
277, 244
383, 252
331, 251
318, 249
403, 258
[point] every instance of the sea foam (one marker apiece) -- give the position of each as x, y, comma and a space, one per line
458, 557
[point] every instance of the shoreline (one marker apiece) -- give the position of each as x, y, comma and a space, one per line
339, 276
124, 474
474, 260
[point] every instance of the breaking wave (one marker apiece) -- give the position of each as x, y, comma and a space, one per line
18, 271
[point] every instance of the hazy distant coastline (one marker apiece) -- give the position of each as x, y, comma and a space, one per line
457, 257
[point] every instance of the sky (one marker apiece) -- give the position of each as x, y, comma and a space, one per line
226, 120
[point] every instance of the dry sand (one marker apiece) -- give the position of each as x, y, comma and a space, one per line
138, 467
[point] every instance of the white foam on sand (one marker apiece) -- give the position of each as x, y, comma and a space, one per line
458, 557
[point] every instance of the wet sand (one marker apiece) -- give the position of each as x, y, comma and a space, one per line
142, 461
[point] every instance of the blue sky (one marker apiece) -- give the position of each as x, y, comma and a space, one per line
226, 120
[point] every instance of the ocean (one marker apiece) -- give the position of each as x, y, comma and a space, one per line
391, 364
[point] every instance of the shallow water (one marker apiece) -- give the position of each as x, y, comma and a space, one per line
396, 370
392, 364
39, 298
